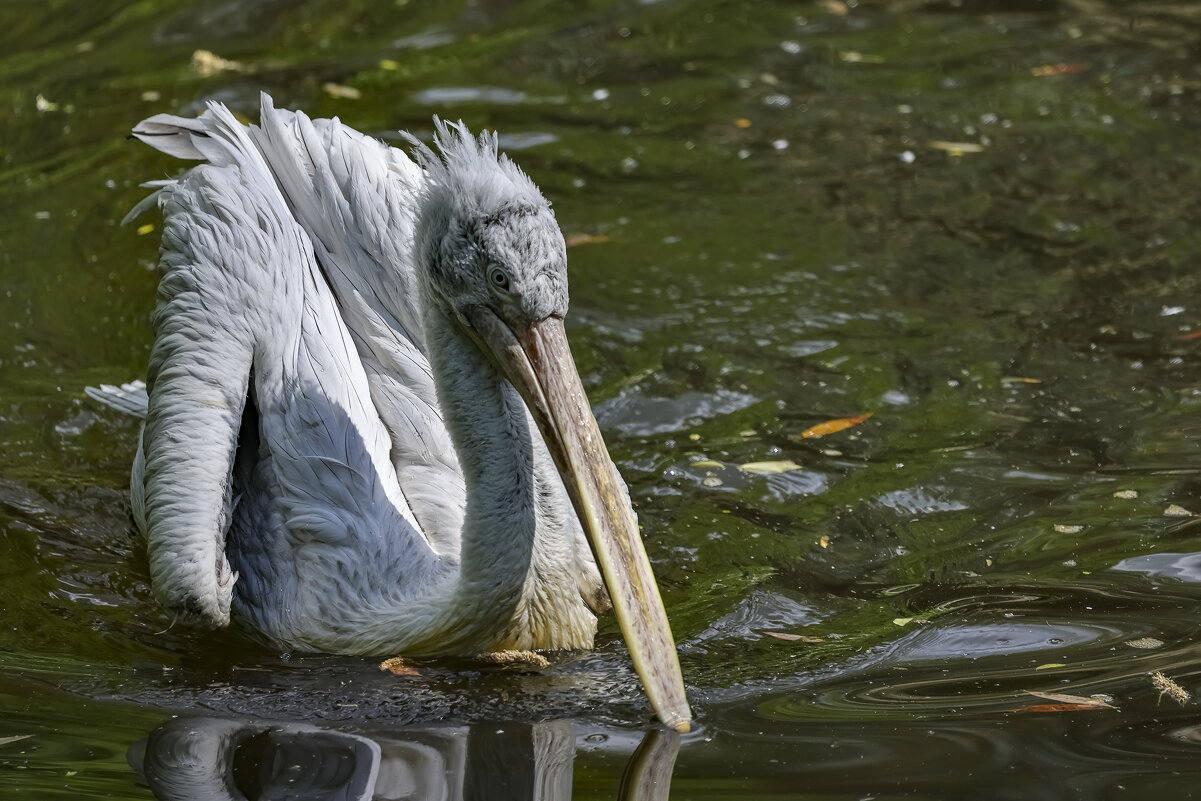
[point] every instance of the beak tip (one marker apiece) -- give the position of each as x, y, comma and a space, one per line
683, 726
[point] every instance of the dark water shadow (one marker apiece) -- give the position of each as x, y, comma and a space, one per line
227, 759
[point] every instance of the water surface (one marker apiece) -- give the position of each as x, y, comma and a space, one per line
976, 221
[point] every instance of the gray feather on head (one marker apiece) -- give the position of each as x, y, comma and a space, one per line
478, 210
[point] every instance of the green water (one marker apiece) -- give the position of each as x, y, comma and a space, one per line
783, 236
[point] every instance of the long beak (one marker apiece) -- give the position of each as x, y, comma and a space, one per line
537, 362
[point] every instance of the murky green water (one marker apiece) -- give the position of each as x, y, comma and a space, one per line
977, 221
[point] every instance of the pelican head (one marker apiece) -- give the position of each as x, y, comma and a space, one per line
494, 260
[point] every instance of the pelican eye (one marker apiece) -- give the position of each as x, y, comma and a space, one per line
498, 277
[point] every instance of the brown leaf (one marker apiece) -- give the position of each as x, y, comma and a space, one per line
397, 666
834, 426
1060, 69
1074, 700
1059, 708
584, 239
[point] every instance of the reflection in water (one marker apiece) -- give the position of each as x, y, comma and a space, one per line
218, 759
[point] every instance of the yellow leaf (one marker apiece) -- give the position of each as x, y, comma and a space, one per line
783, 635
1020, 379
206, 64
1050, 665
834, 426
706, 463
573, 240
902, 621
768, 468
824, 541
148, 228
337, 90
956, 148
742, 122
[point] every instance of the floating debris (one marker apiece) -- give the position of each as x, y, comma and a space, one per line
706, 463
1060, 69
1050, 665
1020, 379
1170, 688
783, 635
823, 541
516, 658
389, 64
1176, 510
43, 105
957, 148
7, 740
206, 64
742, 122
769, 468
1126, 495
1062, 529
148, 228
1145, 642
573, 240
833, 426
711, 481
902, 621
341, 92
837, 7
151, 96
1080, 701
399, 667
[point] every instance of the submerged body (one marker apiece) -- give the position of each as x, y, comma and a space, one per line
364, 431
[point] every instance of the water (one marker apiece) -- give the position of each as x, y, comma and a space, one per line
976, 221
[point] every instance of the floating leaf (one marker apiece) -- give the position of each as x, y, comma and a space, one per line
1145, 642
1092, 702
1050, 665
769, 468
902, 621
783, 635
834, 426
824, 541
7, 740
205, 63
1062, 529
1060, 69
148, 228
957, 148
1020, 379
397, 666
742, 122
1126, 495
1059, 708
573, 240
1170, 688
1176, 510
341, 92
706, 463
512, 658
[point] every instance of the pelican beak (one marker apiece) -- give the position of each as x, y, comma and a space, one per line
537, 362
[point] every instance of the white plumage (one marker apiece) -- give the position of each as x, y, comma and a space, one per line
343, 441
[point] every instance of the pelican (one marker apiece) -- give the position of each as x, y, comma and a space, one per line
364, 431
